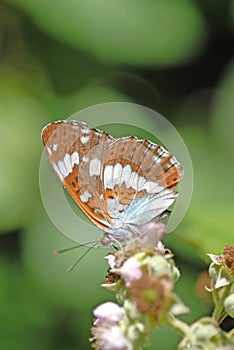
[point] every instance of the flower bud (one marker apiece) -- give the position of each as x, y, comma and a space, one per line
134, 332
213, 271
131, 308
130, 271
205, 334
158, 265
175, 273
113, 339
108, 311
229, 305
151, 233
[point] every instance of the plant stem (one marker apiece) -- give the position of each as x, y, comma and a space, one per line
180, 326
218, 314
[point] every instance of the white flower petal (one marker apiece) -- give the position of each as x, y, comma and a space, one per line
111, 259
109, 312
217, 259
113, 339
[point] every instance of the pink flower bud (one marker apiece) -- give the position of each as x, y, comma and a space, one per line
130, 271
151, 234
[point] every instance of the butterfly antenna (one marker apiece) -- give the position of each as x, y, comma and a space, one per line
60, 251
81, 257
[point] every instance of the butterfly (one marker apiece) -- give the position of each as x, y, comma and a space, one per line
120, 184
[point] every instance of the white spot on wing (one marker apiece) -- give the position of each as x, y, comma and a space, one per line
126, 173
85, 159
165, 154
160, 151
156, 159
55, 147
74, 158
108, 180
95, 167
132, 180
65, 167
152, 187
117, 174
62, 169
85, 130
173, 160
75, 125
84, 139
134, 184
49, 150
141, 182
85, 196
68, 163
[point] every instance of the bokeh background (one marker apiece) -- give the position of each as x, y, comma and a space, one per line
59, 57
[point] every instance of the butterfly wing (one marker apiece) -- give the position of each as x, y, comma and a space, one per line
76, 153
115, 182
138, 181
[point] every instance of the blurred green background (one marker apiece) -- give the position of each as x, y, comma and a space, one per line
59, 57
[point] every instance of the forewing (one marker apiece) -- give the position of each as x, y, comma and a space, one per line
76, 153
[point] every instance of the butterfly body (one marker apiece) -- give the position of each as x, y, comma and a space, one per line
119, 184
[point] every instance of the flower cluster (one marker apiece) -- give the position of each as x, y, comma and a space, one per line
143, 275
222, 268
146, 279
108, 328
221, 272
205, 334
143, 279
